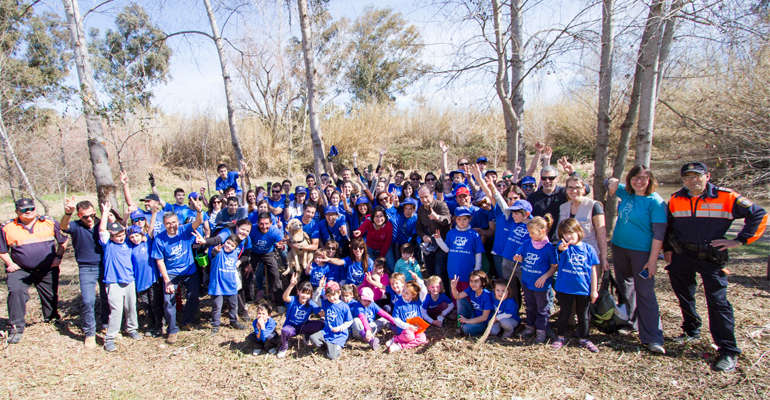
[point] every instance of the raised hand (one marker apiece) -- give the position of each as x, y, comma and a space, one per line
132, 208
106, 207
198, 238
344, 230
151, 179
453, 282
563, 245
322, 282
294, 280
69, 205
197, 203
123, 177
202, 190
383, 151
547, 152
414, 276
444, 148
390, 169
355, 154
437, 235
539, 146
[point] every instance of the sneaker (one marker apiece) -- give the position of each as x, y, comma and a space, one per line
280, 310
281, 354
507, 335
527, 333
149, 333
389, 343
260, 296
237, 325
135, 335
558, 343
726, 363
90, 342
587, 344
109, 345
375, 343
656, 348
685, 338
305, 342
256, 352
171, 339
186, 327
540, 337
394, 348
273, 351
215, 330
14, 337
627, 331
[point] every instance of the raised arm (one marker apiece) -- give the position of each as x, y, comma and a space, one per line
539, 146
69, 208
198, 218
126, 190
444, 150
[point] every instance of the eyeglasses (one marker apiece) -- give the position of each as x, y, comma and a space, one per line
548, 178
461, 164
134, 220
89, 216
572, 188
640, 178
27, 209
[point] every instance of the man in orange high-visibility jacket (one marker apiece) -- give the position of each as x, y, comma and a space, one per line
699, 216
31, 246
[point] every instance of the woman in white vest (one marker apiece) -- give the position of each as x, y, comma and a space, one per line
589, 213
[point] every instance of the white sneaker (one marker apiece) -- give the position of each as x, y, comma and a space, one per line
273, 351
256, 352
388, 343
281, 354
394, 348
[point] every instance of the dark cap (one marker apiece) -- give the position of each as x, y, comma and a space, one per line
114, 227
151, 196
300, 190
24, 203
697, 167
481, 160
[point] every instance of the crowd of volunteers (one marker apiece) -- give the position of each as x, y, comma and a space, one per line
369, 254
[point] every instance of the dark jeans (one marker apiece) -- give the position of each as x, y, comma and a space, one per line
435, 264
538, 310
46, 282
151, 301
89, 276
192, 285
268, 344
216, 309
273, 276
682, 272
565, 312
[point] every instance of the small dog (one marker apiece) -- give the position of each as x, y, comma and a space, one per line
298, 259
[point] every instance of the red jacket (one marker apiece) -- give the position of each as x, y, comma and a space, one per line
377, 239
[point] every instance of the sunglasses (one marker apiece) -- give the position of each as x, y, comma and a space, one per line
216, 202
548, 178
27, 209
430, 180
510, 199
136, 220
276, 191
90, 216
383, 199
528, 186
358, 248
508, 177
463, 164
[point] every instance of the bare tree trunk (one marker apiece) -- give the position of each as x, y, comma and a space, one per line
517, 90
228, 88
8, 167
668, 40
319, 153
512, 134
605, 94
649, 60
105, 186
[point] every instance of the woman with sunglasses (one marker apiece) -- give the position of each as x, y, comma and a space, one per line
215, 206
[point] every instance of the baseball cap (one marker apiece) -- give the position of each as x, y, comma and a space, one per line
114, 227
133, 229
462, 212
452, 174
362, 200
193, 195
137, 214
528, 180
309, 176
151, 196
481, 159
300, 190
331, 210
333, 285
24, 203
521, 205
366, 294
697, 167
463, 190
490, 171
324, 174
409, 200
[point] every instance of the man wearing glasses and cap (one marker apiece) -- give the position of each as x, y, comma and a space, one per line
699, 216
31, 246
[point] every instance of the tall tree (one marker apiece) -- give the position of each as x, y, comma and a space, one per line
605, 94
319, 153
648, 59
105, 186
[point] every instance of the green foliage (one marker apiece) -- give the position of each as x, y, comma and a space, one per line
385, 56
129, 61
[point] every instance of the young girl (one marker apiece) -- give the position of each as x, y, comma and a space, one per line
348, 295
404, 309
358, 263
338, 321
331, 248
264, 337
223, 283
538, 264
475, 304
508, 314
438, 305
378, 281
577, 283
464, 249
365, 326
407, 262
298, 310
323, 267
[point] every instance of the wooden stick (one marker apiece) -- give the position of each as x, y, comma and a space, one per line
484, 337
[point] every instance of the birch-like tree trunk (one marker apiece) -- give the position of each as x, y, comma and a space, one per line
228, 88
649, 57
319, 153
509, 111
605, 94
517, 75
9, 151
105, 186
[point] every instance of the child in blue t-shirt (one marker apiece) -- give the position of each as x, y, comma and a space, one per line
324, 267
464, 248
338, 321
404, 309
438, 305
577, 283
149, 291
264, 336
365, 321
223, 283
474, 305
119, 278
507, 317
298, 310
538, 264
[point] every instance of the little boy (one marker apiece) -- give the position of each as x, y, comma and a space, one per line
407, 262
223, 283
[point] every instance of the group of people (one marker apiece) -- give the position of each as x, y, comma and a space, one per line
389, 251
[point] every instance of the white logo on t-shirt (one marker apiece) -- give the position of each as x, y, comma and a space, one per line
300, 314
460, 241
531, 258
331, 314
577, 259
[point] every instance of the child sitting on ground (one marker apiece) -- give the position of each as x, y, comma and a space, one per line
378, 280
298, 310
365, 326
508, 312
475, 304
338, 321
404, 309
223, 282
264, 336
407, 262
438, 305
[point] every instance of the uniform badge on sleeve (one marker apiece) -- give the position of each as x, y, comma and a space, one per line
744, 202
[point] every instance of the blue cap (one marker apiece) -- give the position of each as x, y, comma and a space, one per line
324, 174
452, 174
490, 171
697, 167
331, 210
134, 229
411, 201
193, 195
521, 205
310, 176
300, 190
138, 214
462, 212
362, 200
528, 180
481, 159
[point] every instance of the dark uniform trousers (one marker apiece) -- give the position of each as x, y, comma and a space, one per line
46, 281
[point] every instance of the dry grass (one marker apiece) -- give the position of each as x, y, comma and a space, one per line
52, 363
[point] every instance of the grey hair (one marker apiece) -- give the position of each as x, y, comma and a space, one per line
549, 168
169, 214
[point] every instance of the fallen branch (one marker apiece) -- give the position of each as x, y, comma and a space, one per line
484, 337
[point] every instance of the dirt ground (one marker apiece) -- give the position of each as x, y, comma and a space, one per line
51, 362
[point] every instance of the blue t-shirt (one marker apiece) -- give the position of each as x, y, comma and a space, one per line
335, 314
157, 226
508, 307
117, 262
354, 271
263, 243
297, 314
394, 218
277, 204
145, 268
370, 312
517, 236
267, 332
398, 189
244, 244
254, 218
406, 311
176, 252
327, 232
330, 271
231, 182
429, 303
481, 303
575, 265
636, 214
405, 229
536, 263
502, 225
463, 247
223, 279
311, 228
190, 214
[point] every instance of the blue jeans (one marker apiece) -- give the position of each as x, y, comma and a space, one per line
90, 276
192, 285
259, 276
465, 309
498, 266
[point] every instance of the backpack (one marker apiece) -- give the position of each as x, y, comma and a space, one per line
606, 314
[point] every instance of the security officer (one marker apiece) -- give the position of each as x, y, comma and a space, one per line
31, 246
698, 219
